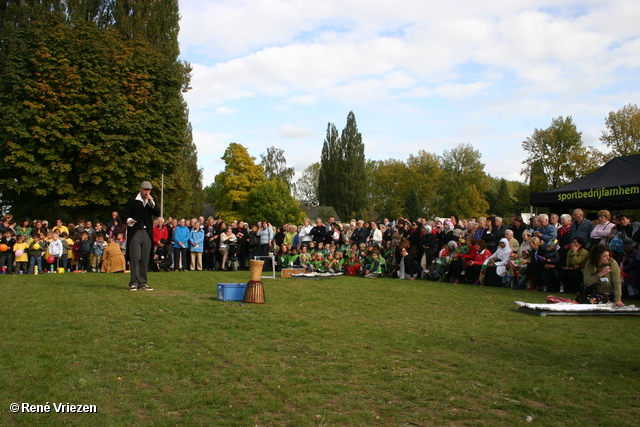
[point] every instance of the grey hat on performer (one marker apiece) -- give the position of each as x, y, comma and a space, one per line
146, 185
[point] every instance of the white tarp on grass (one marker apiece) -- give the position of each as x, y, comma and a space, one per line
609, 307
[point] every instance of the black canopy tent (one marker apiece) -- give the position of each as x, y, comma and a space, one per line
615, 186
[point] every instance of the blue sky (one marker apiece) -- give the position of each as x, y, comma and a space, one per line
418, 74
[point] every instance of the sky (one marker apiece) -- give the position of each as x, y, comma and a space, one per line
418, 74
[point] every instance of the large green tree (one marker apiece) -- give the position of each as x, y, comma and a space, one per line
464, 182
341, 183
91, 107
424, 170
306, 188
275, 166
556, 153
623, 131
389, 188
229, 192
271, 200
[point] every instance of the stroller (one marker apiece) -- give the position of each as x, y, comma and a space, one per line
441, 269
232, 258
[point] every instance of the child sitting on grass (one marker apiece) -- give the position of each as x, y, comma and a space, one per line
304, 262
317, 263
374, 270
339, 265
353, 265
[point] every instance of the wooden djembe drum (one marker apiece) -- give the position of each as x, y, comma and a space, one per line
255, 289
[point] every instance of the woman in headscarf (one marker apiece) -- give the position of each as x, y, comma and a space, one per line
498, 265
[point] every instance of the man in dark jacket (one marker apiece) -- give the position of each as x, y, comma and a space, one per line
137, 213
360, 234
319, 232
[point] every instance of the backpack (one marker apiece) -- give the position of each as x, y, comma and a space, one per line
617, 243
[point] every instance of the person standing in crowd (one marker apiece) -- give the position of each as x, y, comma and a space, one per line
60, 227
137, 213
360, 234
88, 227
254, 241
624, 231
319, 232
581, 227
329, 224
112, 223
545, 231
601, 232
499, 230
181, 246
266, 234
7, 224
160, 231
375, 236
305, 232
518, 228
196, 244
24, 229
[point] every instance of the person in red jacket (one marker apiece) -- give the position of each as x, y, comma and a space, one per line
160, 231
474, 265
459, 263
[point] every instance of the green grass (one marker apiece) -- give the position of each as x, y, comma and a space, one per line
336, 352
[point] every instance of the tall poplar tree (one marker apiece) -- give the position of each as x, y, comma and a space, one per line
354, 178
329, 182
341, 183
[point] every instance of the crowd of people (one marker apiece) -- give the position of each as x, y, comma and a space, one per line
597, 260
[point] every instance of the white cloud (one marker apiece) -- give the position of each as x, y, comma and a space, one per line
208, 143
303, 99
295, 132
224, 111
435, 73
538, 49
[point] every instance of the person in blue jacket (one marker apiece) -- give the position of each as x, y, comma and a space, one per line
181, 246
196, 244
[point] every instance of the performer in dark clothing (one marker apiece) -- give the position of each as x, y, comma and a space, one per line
137, 213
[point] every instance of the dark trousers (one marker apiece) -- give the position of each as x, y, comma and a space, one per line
139, 251
264, 251
6, 260
180, 258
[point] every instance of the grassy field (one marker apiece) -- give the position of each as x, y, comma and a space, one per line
336, 352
